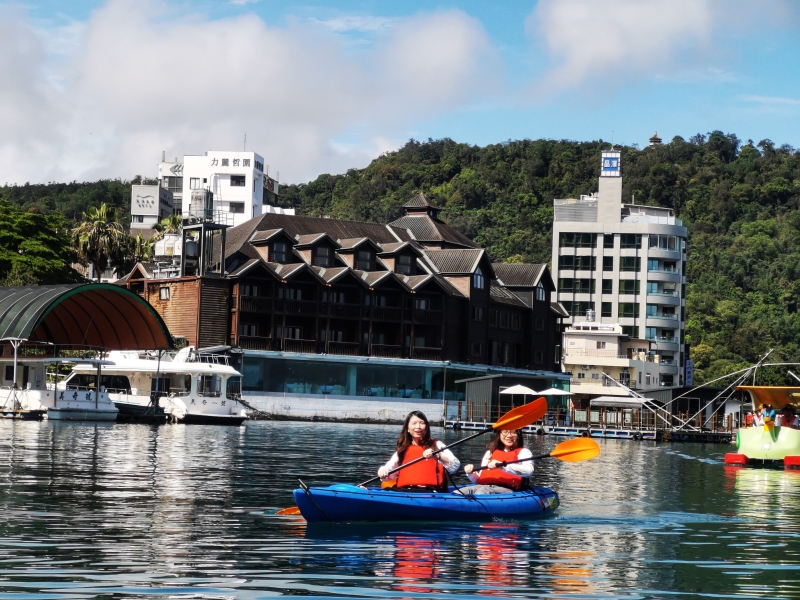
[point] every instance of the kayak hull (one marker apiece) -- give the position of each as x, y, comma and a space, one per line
349, 503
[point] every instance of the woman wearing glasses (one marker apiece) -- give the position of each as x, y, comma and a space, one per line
493, 478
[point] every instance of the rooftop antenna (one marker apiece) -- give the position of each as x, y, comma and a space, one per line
612, 139
245, 143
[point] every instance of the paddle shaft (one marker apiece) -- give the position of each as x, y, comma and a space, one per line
435, 452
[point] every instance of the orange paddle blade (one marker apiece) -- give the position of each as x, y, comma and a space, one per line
522, 416
292, 510
576, 450
389, 484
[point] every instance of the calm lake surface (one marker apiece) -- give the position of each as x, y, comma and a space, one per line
89, 510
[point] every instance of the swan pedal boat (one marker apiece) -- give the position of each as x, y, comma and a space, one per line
349, 503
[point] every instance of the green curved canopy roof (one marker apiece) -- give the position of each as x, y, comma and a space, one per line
97, 315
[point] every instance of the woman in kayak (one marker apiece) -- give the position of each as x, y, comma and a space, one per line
415, 442
506, 445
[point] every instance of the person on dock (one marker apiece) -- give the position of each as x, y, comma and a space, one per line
415, 442
493, 478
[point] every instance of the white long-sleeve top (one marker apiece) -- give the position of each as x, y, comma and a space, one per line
451, 468
523, 469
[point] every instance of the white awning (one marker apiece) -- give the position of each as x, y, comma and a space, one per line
615, 402
518, 389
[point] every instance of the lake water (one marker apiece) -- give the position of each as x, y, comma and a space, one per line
90, 510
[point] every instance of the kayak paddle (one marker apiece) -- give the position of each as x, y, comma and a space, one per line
570, 451
516, 418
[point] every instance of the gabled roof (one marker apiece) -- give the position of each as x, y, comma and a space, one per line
420, 201
499, 294
557, 308
264, 236
374, 278
353, 243
416, 282
425, 229
455, 262
250, 265
290, 270
312, 238
387, 249
519, 275
331, 274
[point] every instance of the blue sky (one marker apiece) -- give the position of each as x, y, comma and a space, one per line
101, 88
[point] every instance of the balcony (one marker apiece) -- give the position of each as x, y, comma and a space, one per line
298, 307
346, 311
385, 351
428, 317
254, 304
422, 353
254, 342
386, 313
305, 346
344, 348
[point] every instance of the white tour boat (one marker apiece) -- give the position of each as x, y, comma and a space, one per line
189, 387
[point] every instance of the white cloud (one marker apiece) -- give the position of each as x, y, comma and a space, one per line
772, 100
142, 78
602, 43
361, 23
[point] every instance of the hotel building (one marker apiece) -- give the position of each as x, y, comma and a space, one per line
623, 264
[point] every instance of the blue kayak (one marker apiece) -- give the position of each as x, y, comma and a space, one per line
348, 503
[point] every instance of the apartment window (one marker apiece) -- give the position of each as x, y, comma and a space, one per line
628, 286
163, 293
557, 357
605, 310
493, 318
664, 242
478, 313
290, 293
581, 375
194, 183
652, 265
652, 310
503, 320
628, 309
425, 304
578, 240
538, 324
540, 293
538, 357
364, 260
236, 207
9, 372
670, 266
608, 286
577, 309
630, 240
649, 333
608, 240
137, 218
652, 287
248, 329
405, 264
630, 263
279, 252
477, 279
608, 263
631, 331
577, 263
173, 184
476, 348
237, 180
601, 345
322, 256
249, 290
578, 286
515, 322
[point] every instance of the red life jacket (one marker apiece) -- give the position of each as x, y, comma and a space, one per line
428, 472
498, 476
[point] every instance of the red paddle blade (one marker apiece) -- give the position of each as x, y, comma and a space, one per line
522, 416
291, 510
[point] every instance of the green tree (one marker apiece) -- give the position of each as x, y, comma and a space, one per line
99, 239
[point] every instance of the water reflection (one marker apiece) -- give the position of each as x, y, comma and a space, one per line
133, 510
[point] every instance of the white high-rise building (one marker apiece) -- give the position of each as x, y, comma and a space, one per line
625, 262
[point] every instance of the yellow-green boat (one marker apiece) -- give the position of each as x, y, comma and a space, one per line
768, 444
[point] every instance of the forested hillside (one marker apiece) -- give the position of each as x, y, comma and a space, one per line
741, 203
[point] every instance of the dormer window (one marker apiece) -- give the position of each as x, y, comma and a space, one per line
478, 281
405, 264
280, 251
540, 295
364, 260
323, 256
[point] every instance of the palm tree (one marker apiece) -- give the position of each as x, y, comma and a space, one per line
170, 224
98, 238
132, 250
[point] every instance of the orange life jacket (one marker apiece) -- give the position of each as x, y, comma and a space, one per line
428, 472
498, 476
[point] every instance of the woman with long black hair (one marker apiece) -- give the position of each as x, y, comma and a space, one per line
415, 442
493, 477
